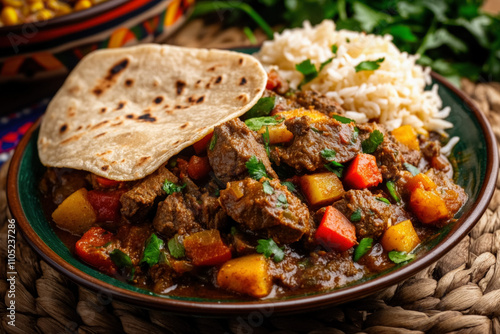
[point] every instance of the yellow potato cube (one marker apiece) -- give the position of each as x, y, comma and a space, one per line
406, 135
277, 133
428, 206
311, 113
75, 214
247, 275
322, 188
401, 237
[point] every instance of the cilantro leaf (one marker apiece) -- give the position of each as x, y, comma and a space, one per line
282, 201
328, 154
356, 215
369, 65
326, 62
355, 135
316, 130
170, 187
270, 248
257, 123
256, 168
370, 145
412, 169
289, 185
123, 262
400, 257
335, 48
213, 141
383, 199
267, 187
364, 246
343, 119
392, 191
265, 137
308, 70
263, 107
151, 254
175, 247
335, 167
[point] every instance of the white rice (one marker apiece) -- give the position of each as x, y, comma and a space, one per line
394, 94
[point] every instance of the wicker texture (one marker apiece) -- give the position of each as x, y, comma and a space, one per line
458, 294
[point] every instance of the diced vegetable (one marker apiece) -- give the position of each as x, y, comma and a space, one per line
277, 133
322, 188
201, 145
428, 206
198, 167
106, 183
92, 250
336, 231
407, 135
312, 114
363, 172
364, 246
421, 181
106, 204
391, 187
412, 169
206, 248
247, 275
75, 214
400, 237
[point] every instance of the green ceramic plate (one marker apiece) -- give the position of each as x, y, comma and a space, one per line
476, 162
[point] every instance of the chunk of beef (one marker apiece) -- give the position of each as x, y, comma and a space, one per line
235, 144
320, 102
453, 195
391, 154
173, 216
310, 138
279, 214
132, 240
375, 214
430, 149
140, 199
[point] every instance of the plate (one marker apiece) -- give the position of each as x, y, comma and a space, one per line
475, 159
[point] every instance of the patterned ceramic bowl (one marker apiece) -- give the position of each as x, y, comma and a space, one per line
53, 47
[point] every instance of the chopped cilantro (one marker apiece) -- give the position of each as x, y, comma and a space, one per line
175, 247
268, 188
334, 49
282, 201
257, 123
356, 216
364, 246
400, 257
369, 65
355, 135
265, 137
151, 254
170, 187
308, 70
289, 185
370, 145
263, 107
412, 169
213, 141
316, 130
328, 154
256, 168
326, 62
270, 248
343, 119
392, 191
123, 262
335, 167
347, 40
383, 199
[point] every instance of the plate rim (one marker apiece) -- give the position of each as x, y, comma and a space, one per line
286, 306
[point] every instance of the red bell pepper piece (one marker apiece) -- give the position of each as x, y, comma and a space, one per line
363, 172
206, 248
106, 204
198, 167
336, 231
274, 81
201, 145
106, 183
90, 248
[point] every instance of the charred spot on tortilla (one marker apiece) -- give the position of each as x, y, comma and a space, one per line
158, 100
243, 81
103, 110
63, 128
121, 104
79, 128
142, 160
146, 111
116, 69
130, 116
70, 139
218, 80
100, 135
211, 69
129, 82
243, 97
185, 125
74, 89
179, 86
146, 118
97, 91
117, 123
98, 125
103, 153
191, 99
200, 99
240, 61
105, 168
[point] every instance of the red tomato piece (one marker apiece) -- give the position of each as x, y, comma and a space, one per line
106, 183
90, 249
198, 167
363, 172
106, 204
336, 231
201, 145
206, 248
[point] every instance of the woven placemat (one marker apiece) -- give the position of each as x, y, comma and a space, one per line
460, 293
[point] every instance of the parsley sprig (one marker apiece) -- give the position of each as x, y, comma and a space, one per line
370, 145
270, 249
169, 187
369, 65
256, 168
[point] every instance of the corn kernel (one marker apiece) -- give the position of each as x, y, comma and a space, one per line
9, 16
83, 4
44, 14
36, 6
13, 3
